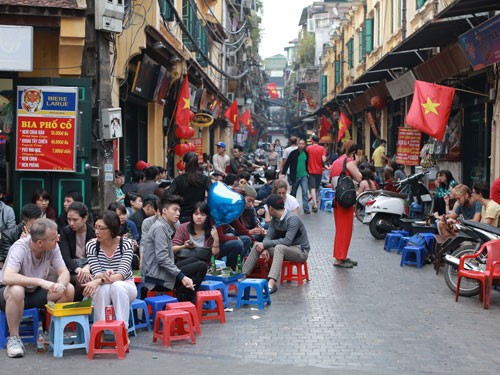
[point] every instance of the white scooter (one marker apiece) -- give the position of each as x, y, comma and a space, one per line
384, 211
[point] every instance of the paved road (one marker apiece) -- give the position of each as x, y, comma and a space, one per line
377, 318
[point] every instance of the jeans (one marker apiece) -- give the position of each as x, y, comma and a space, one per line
303, 182
231, 249
247, 245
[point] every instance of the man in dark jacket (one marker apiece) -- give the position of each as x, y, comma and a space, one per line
299, 176
29, 213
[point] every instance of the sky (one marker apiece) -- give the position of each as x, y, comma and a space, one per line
280, 25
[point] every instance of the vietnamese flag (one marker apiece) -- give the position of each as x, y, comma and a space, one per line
246, 119
232, 115
344, 123
183, 108
324, 126
430, 108
273, 91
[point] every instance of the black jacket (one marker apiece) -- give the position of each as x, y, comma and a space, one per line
291, 162
67, 244
9, 236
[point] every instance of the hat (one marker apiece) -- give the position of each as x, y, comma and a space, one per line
276, 202
221, 144
141, 165
250, 191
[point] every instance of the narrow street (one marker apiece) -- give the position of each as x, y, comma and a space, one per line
377, 318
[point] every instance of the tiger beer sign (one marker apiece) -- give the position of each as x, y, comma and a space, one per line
46, 128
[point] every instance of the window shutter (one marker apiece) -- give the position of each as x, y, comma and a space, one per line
369, 35
337, 72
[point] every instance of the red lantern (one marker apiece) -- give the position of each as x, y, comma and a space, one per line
189, 133
181, 149
180, 165
190, 147
180, 132
191, 115
378, 102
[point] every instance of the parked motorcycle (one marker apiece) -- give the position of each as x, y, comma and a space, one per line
470, 237
384, 211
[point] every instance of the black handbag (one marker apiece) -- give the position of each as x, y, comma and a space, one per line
202, 253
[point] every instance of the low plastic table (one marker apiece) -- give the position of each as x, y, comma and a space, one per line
228, 282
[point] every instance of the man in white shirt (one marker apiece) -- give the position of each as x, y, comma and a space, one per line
220, 160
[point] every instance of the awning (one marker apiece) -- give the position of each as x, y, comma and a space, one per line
463, 7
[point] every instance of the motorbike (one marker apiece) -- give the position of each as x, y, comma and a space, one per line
470, 237
385, 208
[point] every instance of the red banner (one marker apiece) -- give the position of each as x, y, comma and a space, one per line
408, 146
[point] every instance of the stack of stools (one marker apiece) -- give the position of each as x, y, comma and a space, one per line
173, 325
215, 285
98, 346
415, 255
326, 196
261, 297
158, 303
191, 309
139, 316
206, 314
27, 330
287, 273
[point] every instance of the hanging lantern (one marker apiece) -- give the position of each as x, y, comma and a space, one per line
180, 165
180, 132
378, 102
189, 133
190, 147
181, 149
191, 115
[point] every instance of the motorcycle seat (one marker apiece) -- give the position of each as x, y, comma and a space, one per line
483, 226
392, 194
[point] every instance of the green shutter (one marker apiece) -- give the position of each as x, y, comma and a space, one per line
324, 86
191, 22
420, 3
337, 72
166, 11
202, 38
369, 35
360, 38
350, 53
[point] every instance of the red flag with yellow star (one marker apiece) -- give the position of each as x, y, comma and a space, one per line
232, 115
344, 123
183, 108
324, 126
246, 119
273, 91
430, 108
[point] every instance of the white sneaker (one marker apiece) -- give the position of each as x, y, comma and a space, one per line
15, 347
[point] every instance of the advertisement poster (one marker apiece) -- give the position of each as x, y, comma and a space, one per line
408, 146
46, 135
198, 144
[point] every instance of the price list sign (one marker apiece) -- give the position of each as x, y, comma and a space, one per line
46, 134
408, 147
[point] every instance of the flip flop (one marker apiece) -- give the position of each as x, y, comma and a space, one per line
354, 263
344, 264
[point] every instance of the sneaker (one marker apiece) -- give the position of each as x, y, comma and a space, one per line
15, 347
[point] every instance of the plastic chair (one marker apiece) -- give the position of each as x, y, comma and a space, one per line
485, 278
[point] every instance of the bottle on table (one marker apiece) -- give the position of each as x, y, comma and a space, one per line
239, 267
213, 266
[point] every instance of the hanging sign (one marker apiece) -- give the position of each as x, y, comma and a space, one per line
46, 128
408, 146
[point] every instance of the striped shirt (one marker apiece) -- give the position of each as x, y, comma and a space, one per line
120, 262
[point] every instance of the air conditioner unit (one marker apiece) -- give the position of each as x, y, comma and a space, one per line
109, 15
311, 25
230, 96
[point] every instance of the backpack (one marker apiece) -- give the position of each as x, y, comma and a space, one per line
345, 192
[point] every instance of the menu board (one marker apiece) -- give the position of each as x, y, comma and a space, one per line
46, 128
408, 146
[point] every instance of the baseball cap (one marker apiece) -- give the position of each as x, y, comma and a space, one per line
221, 144
275, 201
141, 165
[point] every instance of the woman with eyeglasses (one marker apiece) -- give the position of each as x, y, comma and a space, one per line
110, 259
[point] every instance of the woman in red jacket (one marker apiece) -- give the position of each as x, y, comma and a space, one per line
343, 217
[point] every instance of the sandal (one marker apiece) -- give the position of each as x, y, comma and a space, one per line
344, 264
354, 263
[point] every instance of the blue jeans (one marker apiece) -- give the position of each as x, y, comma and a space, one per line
247, 245
231, 249
303, 182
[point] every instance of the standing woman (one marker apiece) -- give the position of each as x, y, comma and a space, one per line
42, 199
191, 185
273, 159
343, 217
110, 260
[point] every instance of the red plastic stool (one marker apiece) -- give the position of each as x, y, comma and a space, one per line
174, 326
261, 269
119, 346
210, 295
191, 309
288, 275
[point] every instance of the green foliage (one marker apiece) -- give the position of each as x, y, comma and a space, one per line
306, 50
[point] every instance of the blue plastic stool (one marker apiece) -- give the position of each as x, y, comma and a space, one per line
158, 303
403, 243
419, 253
28, 328
404, 233
325, 195
136, 322
328, 206
57, 342
215, 285
429, 239
261, 297
392, 241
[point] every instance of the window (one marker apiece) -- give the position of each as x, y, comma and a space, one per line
360, 47
350, 53
392, 17
337, 72
420, 3
202, 40
369, 35
377, 10
190, 21
324, 86
166, 11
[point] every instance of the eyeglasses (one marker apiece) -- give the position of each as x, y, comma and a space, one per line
100, 229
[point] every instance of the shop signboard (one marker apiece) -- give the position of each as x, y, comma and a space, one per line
482, 43
198, 144
46, 128
408, 146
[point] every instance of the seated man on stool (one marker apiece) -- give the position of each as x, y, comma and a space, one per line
286, 239
24, 278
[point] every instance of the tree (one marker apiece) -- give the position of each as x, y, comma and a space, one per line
306, 50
